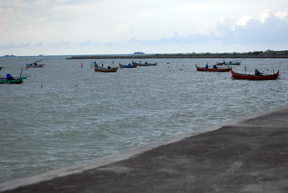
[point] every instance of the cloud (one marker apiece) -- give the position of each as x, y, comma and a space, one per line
44, 2
243, 20
46, 24
40, 44
13, 45
133, 40
271, 29
70, 2
63, 43
124, 27
88, 43
188, 39
29, 44
265, 14
109, 44
281, 15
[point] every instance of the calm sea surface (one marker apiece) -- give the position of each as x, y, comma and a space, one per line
78, 114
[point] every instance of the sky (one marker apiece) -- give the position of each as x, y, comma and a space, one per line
91, 27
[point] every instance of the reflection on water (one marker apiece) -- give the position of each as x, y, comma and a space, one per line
78, 114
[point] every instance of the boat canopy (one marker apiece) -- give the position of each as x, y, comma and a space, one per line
35, 62
9, 77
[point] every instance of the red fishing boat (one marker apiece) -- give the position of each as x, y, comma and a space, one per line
213, 69
254, 77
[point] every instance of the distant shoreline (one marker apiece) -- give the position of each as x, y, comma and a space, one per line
162, 56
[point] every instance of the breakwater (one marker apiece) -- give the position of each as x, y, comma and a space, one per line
161, 56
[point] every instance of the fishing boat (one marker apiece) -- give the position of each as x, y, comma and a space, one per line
103, 69
12, 81
220, 63
232, 63
254, 77
145, 64
35, 65
127, 66
213, 69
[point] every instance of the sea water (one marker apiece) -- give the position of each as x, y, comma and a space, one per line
64, 114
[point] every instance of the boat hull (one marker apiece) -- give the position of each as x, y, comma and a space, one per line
213, 69
145, 64
127, 66
34, 66
14, 81
254, 77
233, 63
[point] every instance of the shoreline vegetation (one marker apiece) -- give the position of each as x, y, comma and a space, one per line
255, 54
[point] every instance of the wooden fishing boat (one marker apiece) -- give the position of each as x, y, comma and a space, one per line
213, 69
127, 66
232, 63
12, 81
254, 77
145, 64
34, 66
103, 69
220, 63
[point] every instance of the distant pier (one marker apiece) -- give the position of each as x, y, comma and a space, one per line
160, 56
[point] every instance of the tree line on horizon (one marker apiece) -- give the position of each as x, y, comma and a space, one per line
285, 52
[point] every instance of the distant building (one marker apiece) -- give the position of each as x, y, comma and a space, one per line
138, 53
9, 56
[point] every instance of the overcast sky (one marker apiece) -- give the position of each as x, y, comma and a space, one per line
69, 27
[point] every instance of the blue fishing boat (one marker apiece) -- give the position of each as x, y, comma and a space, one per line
127, 66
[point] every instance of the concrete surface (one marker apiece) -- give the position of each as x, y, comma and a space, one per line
243, 155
